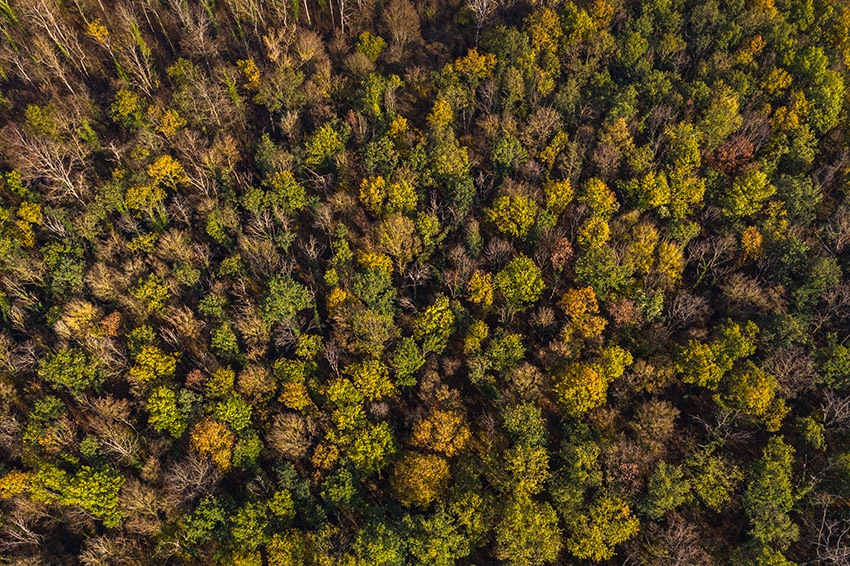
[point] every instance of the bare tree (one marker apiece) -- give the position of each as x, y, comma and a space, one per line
482, 11
832, 541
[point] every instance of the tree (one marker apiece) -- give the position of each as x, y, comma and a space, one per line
165, 415
747, 194
372, 448
715, 479
284, 299
401, 21
418, 479
406, 360
769, 497
72, 369
600, 199
513, 215
580, 388
721, 118
434, 326
520, 282
581, 307
325, 143
559, 194
528, 533
667, 490
481, 288
443, 431
372, 379
215, 440
397, 238
607, 523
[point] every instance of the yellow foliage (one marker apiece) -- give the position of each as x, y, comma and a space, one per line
579, 389
558, 195
167, 171
79, 318
14, 483
325, 456
478, 331
401, 197
776, 81
594, 233
545, 30
670, 263
336, 298
751, 242
644, 238
215, 440
251, 73
97, 31
295, 396
373, 193
599, 198
372, 260
27, 233
418, 479
144, 198
444, 431
556, 146
581, 306
481, 288
750, 50
441, 115
475, 65
601, 12
30, 212
398, 128
167, 122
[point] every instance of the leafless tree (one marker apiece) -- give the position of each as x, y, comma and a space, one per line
401, 22
833, 541
482, 11
189, 478
686, 310
836, 410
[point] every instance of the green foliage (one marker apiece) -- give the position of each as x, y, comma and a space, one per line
324, 145
769, 497
370, 45
234, 412
406, 360
607, 523
667, 489
435, 325
285, 298
513, 215
715, 479
165, 415
289, 283
71, 369
520, 282
284, 193
528, 533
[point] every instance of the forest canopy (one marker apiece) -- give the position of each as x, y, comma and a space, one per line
433, 282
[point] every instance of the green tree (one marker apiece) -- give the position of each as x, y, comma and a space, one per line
528, 533
434, 326
520, 282
284, 299
667, 490
607, 523
164, 413
769, 497
72, 369
513, 215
